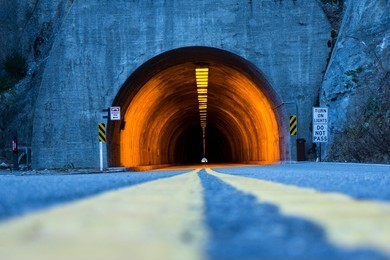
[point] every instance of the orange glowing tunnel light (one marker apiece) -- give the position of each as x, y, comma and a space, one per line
162, 112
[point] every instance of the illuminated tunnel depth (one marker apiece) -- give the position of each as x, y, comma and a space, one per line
160, 109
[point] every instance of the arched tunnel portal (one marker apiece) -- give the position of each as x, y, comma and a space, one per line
161, 121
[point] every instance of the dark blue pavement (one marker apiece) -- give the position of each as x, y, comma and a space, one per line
241, 228
361, 181
20, 194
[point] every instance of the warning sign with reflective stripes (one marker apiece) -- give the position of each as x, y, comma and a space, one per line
102, 132
293, 125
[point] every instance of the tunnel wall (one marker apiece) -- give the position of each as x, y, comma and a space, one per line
101, 43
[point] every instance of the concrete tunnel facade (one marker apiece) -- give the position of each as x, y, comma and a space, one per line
266, 61
161, 119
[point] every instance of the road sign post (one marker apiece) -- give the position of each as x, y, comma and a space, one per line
101, 156
320, 126
15, 154
102, 139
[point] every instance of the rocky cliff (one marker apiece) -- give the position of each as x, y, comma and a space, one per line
28, 28
356, 85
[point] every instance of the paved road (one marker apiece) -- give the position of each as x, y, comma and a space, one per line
25, 193
286, 211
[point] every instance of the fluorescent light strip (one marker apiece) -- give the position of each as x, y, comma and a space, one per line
202, 82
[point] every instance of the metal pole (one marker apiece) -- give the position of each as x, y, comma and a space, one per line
15, 151
101, 155
26, 156
320, 152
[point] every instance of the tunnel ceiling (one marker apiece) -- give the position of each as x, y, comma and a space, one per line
162, 117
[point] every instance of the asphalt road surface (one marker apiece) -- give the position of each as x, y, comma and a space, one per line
284, 211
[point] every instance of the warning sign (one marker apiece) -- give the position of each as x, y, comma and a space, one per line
293, 125
320, 115
115, 113
320, 124
320, 133
102, 132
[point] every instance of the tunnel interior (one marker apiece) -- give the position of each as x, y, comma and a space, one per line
161, 119
189, 149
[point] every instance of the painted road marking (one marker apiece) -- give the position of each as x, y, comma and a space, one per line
161, 219
348, 222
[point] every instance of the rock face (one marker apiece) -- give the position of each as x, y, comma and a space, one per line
28, 27
356, 85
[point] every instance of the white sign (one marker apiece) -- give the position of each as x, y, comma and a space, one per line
320, 115
320, 124
320, 133
115, 113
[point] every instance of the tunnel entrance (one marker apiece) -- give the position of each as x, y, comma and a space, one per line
160, 110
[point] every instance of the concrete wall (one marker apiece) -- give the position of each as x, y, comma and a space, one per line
100, 43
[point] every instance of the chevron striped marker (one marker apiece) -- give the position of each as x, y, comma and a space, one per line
293, 125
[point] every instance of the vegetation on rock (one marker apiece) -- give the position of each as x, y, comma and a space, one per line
367, 135
15, 66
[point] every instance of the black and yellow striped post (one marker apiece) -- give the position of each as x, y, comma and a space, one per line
102, 139
102, 132
293, 125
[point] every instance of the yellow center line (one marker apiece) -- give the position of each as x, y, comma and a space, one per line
161, 219
347, 222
